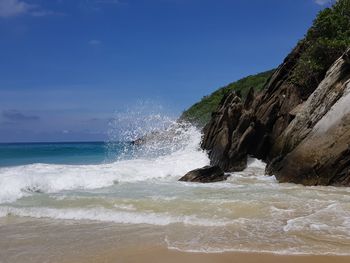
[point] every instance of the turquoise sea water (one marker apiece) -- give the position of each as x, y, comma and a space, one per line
12, 154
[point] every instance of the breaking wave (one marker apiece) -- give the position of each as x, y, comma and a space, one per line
182, 155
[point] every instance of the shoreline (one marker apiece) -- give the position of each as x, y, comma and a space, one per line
27, 240
164, 255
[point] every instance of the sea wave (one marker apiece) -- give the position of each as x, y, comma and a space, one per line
107, 215
20, 181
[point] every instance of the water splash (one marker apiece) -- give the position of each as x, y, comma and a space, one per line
146, 131
169, 150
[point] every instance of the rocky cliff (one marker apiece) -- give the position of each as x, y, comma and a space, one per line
299, 124
315, 147
240, 128
303, 135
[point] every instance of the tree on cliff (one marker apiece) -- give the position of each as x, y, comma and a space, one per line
200, 113
326, 40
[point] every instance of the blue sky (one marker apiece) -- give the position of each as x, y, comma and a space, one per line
68, 66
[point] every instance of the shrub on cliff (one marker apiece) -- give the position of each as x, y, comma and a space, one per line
200, 112
325, 41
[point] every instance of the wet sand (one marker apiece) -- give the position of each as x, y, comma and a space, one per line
163, 255
26, 240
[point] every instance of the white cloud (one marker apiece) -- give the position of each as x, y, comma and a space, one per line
10, 8
94, 42
42, 12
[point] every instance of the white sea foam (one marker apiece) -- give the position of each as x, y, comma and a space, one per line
255, 163
16, 182
290, 251
332, 220
105, 215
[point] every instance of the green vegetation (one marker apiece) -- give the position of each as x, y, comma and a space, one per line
326, 40
200, 112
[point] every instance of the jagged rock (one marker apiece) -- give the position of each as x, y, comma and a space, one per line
217, 138
207, 174
346, 57
315, 148
252, 125
282, 126
330, 90
249, 99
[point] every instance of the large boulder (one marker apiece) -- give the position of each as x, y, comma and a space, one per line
207, 174
315, 148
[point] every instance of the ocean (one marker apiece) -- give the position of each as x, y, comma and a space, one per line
58, 198
15, 154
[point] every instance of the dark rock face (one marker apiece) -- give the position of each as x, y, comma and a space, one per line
303, 135
218, 136
207, 174
239, 129
315, 148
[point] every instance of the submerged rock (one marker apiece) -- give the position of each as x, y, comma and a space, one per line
207, 174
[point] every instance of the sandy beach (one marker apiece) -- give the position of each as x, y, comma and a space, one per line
36, 241
163, 255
